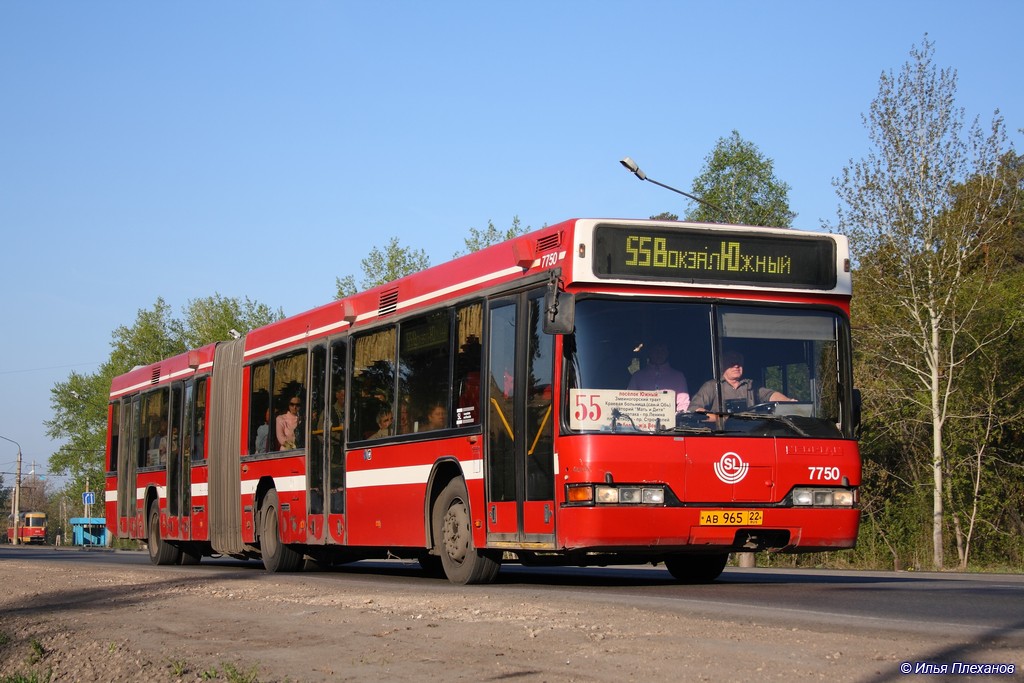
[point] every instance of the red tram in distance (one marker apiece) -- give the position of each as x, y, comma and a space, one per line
31, 529
594, 392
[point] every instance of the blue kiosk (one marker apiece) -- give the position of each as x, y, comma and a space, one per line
89, 531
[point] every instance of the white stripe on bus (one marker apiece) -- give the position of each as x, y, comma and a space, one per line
412, 474
288, 484
140, 492
387, 476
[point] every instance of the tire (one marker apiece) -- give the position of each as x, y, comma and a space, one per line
160, 551
453, 539
696, 568
277, 557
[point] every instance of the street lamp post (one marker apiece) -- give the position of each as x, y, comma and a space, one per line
17, 491
635, 170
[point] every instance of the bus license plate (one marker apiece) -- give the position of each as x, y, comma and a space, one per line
731, 517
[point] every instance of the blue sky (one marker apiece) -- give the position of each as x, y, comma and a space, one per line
262, 149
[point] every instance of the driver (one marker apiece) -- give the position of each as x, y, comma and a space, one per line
737, 393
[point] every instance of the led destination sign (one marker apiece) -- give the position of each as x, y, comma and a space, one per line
690, 255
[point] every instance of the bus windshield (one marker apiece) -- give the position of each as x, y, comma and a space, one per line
657, 366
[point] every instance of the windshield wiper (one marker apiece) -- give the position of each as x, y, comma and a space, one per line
784, 419
688, 430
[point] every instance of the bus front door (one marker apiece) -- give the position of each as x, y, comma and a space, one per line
520, 425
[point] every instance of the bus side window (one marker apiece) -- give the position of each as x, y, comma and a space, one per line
289, 381
468, 352
373, 384
424, 358
260, 418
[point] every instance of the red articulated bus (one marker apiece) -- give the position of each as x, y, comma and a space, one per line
31, 529
595, 392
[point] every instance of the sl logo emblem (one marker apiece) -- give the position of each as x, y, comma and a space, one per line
730, 468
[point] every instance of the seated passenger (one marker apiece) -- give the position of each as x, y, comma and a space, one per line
658, 374
436, 418
384, 421
287, 422
262, 432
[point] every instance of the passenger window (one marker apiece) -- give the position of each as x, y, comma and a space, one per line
425, 358
469, 322
260, 416
373, 382
155, 430
289, 381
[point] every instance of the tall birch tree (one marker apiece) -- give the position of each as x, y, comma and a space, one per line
918, 240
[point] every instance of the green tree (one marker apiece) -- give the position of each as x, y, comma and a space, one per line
384, 265
739, 185
665, 216
919, 236
481, 239
79, 403
212, 319
986, 458
154, 335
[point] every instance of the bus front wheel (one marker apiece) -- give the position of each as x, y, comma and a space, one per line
453, 536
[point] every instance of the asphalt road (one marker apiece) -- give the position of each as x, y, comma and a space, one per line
987, 607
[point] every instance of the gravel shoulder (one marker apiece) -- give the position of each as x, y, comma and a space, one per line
92, 622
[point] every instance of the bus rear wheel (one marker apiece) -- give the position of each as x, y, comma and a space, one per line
696, 568
453, 536
160, 551
277, 557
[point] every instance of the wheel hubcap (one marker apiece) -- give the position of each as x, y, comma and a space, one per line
456, 532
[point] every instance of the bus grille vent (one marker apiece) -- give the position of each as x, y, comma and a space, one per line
388, 302
549, 242
156, 375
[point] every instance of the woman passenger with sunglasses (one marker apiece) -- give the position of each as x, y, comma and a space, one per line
287, 422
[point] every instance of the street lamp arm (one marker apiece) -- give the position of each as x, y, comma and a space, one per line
632, 167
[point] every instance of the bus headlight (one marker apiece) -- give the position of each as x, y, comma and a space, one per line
612, 494
606, 494
824, 497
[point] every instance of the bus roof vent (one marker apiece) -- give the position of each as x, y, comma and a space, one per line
156, 375
388, 302
549, 242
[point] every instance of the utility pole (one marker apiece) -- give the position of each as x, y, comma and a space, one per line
17, 492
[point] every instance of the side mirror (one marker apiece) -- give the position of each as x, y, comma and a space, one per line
559, 312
